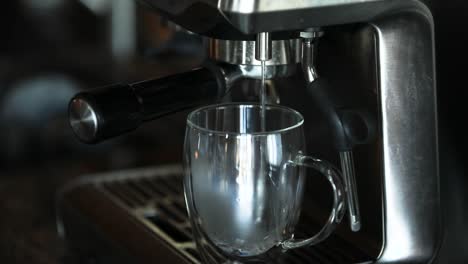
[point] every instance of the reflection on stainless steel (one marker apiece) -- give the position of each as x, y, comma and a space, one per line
239, 18
285, 54
312, 13
405, 50
255, 72
83, 119
243, 52
261, 6
404, 47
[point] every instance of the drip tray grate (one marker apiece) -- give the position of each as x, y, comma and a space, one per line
154, 197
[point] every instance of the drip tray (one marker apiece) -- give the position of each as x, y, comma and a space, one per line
139, 216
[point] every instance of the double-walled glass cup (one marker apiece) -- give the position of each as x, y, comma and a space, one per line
244, 181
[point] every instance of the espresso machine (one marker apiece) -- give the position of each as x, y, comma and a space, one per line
363, 72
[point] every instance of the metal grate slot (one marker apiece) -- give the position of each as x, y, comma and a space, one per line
215, 257
336, 254
312, 254
193, 253
117, 192
171, 213
290, 258
153, 187
330, 258
179, 205
176, 183
132, 194
170, 188
348, 249
173, 232
300, 258
142, 190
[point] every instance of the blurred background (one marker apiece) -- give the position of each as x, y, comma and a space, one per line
51, 49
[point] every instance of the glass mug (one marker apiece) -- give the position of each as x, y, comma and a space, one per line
244, 181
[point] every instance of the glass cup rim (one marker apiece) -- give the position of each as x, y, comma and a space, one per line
192, 125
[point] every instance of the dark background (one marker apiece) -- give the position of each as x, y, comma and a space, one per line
50, 51
450, 25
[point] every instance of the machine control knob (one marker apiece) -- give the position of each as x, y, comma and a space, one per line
104, 113
83, 119
99, 114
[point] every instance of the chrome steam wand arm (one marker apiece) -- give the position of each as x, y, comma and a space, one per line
350, 126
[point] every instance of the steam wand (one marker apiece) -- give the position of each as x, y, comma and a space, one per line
349, 126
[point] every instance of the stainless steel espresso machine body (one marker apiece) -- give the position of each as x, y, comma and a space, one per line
365, 67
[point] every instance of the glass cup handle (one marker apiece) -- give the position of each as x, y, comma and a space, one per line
333, 176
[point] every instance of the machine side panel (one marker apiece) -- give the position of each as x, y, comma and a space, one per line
412, 214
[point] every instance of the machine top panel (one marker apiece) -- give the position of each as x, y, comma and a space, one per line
240, 19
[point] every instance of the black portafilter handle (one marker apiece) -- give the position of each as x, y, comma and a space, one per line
110, 111
350, 124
